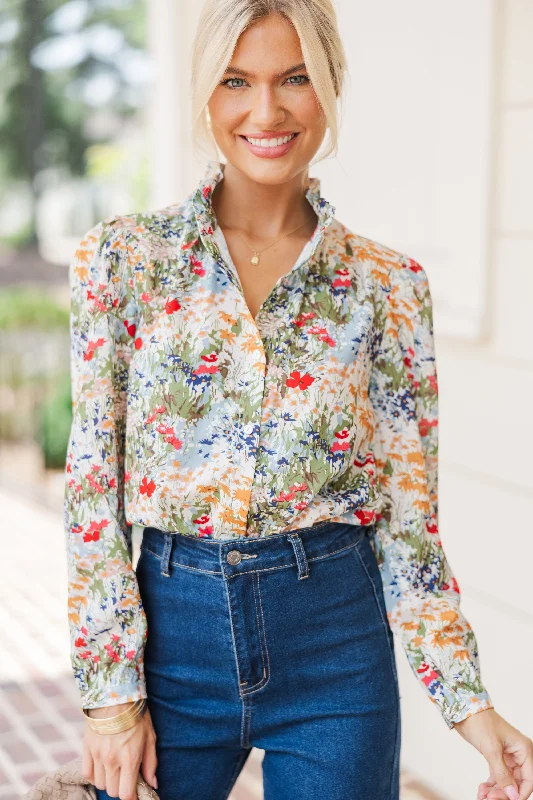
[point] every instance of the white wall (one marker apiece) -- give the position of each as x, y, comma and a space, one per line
486, 440
437, 160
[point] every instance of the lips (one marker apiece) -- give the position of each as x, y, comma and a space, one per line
269, 147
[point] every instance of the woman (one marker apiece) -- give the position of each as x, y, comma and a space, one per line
255, 387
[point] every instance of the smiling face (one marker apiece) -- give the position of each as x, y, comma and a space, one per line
265, 116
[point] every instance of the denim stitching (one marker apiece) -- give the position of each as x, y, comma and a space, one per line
266, 569
184, 566
383, 620
303, 566
234, 642
264, 630
290, 566
247, 721
165, 558
262, 643
396, 745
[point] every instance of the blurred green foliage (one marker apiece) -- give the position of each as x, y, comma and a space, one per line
53, 424
22, 307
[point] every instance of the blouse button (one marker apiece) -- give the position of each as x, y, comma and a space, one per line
233, 557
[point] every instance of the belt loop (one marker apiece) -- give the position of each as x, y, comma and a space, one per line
303, 566
166, 555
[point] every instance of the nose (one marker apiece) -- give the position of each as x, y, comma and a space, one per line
266, 111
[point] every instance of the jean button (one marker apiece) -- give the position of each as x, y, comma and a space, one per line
233, 557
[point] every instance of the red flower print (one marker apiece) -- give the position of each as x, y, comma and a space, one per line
130, 655
344, 279
130, 328
92, 534
300, 381
86, 654
80, 642
284, 497
298, 487
206, 190
138, 343
172, 305
187, 245
84, 630
91, 347
147, 487
212, 361
364, 517
343, 441
424, 426
146, 297
174, 441
201, 520
344, 434
456, 586
197, 266
414, 265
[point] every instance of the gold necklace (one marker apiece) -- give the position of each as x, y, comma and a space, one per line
255, 258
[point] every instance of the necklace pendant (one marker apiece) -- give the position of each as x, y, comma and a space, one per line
254, 259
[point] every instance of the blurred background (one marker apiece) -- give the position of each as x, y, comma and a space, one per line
435, 160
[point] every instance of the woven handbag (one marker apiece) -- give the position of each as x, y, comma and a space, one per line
67, 783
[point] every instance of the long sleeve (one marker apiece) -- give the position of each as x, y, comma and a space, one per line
422, 595
106, 618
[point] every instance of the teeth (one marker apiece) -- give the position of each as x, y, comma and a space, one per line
270, 142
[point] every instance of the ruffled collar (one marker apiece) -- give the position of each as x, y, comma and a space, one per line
207, 222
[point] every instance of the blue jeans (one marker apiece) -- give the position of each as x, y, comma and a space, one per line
281, 643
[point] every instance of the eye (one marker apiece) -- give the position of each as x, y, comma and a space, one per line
229, 80
296, 77
290, 79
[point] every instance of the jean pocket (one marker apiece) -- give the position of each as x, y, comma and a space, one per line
365, 555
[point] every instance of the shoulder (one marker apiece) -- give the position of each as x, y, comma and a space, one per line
146, 233
389, 269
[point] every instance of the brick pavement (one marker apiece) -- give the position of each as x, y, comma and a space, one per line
41, 725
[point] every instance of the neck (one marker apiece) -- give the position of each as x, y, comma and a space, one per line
261, 210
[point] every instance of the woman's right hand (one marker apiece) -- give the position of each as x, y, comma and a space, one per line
111, 761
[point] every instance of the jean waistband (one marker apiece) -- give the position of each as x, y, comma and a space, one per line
236, 556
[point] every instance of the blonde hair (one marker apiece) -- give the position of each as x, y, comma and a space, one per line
220, 25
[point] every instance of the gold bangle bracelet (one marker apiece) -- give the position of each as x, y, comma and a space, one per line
120, 722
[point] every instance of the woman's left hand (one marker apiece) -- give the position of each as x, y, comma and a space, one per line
509, 754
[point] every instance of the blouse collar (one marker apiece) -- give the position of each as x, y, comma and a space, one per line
207, 222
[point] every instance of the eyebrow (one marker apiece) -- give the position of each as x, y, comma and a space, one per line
237, 71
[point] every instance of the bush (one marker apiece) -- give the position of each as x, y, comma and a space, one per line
54, 422
22, 307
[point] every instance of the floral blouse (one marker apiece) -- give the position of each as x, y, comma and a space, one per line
191, 416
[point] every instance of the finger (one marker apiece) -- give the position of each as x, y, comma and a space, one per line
112, 780
99, 775
503, 775
526, 771
483, 789
149, 763
87, 765
128, 784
